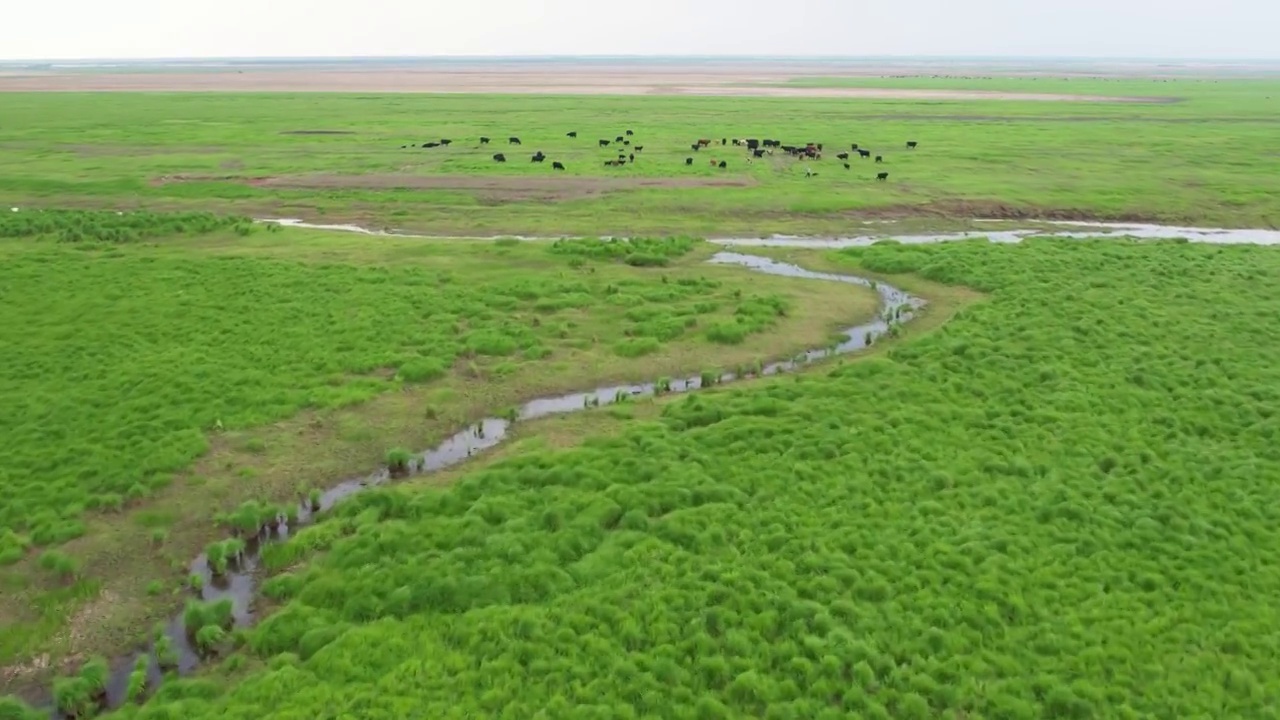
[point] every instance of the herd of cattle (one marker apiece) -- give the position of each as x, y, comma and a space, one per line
755, 149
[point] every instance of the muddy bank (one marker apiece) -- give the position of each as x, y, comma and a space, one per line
239, 583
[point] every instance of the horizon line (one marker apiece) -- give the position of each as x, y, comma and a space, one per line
642, 56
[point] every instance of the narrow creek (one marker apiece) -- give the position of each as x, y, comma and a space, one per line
239, 583
999, 233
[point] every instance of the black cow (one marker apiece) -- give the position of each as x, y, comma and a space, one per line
846, 166
819, 146
879, 158
854, 146
752, 143
842, 156
513, 141
500, 157
722, 165
630, 133
639, 148
736, 141
632, 157
626, 142
538, 157
403, 147
773, 143
882, 176
724, 141
688, 161
445, 142
912, 144
696, 146
557, 165
484, 141
430, 145
758, 152
864, 154
572, 134
619, 139
604, 143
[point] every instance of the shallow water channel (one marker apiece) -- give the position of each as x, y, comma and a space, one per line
1002, 234
240, 582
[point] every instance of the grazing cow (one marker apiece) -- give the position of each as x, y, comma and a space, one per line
854, 146
688, 161
430, 145
879, 158
758, 152
752, 143
622, 156
864, 154
500, 157
846, 166
842, 156
882, 176
789, 148
403, 147
630, 133
484, 141
819, 147
538, 157
445, 142
626, 142
557, 165
619, 139
696, 146
911, 144
773, 143
724, 141
736, 141
639, 148
572, 134
712, 163
513, 141
722, 165
704, 141
611, 163
632, 157
604, 143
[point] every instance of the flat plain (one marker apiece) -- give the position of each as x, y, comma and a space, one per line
1051, 496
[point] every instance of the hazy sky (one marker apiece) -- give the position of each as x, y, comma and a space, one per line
221, 28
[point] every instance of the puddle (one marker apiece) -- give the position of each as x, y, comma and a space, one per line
240, 582
1071, 230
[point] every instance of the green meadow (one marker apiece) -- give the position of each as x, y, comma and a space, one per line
161, 370
1059, 504
1055, 495
1208, 158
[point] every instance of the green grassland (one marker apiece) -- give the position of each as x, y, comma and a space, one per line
150, 383
1060, 504
1209, 158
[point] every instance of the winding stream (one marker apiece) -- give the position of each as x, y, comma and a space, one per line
1070, 230
240, 582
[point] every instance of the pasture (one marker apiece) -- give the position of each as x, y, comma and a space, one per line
149, 385
1207, 158
1053, 495
1032, 511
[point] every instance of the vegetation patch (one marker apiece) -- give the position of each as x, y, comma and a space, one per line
1025, 514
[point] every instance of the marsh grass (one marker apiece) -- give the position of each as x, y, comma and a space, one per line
1006, 517
334, 321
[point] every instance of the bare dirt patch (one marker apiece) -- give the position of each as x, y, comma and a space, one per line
496, 188
737, 81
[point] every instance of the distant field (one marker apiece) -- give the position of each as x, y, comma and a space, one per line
1209, 158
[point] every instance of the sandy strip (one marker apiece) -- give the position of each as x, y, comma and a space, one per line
532, 80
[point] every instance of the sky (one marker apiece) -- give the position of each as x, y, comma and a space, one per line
97, 29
